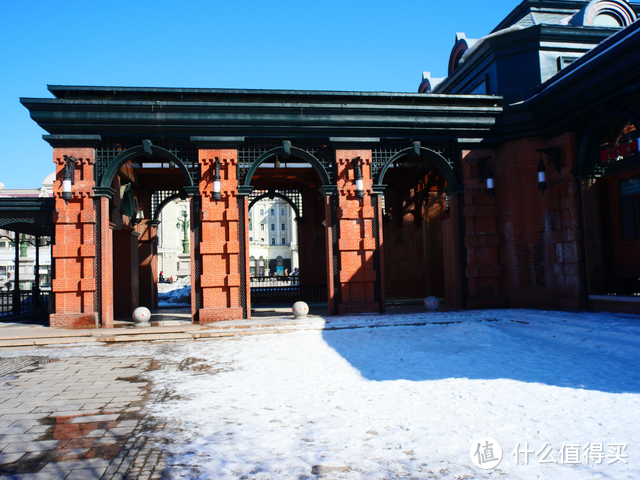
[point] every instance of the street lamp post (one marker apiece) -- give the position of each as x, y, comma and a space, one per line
184, 224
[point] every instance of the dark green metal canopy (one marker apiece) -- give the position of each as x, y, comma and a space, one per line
168, 112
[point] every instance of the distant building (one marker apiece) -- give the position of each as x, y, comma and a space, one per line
173, 261
273, 238
27, 242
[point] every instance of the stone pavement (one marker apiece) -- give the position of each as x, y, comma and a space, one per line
75, 418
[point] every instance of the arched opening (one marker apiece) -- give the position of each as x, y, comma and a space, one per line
149, 213
173, 220
286, 230
416, 223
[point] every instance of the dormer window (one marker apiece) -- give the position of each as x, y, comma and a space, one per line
605, 13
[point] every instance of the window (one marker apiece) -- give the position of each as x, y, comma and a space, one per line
250, 226
273, 212
262, 211
282, 211
251, 239
630, 207
3, 244
283, 227
273, 241
273, 227
284, 242
262, 239
606, 19
262, 227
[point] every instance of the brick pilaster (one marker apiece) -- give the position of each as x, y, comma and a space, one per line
74, 251
357, 242
481, 236
220, 246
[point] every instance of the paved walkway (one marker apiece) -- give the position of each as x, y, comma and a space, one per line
75, 418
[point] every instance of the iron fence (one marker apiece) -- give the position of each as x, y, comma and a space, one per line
23, 303
617, 281
280, 289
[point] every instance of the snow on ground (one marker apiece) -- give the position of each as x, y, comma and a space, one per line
174, 294
406, 396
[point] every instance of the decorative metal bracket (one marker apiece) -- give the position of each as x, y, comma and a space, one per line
555, 156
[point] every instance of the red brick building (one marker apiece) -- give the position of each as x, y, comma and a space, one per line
394, 186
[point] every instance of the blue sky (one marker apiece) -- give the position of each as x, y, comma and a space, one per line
332, 45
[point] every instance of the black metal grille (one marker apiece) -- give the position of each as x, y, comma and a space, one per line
381, 155
157, 197
248, 154
289, 294
109, 150
613, 280
242, 257
335, 236
24, 303
196, 225
294, 195
40, 219
97, 261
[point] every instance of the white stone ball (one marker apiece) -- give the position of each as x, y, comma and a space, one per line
431, 303
300, 309
141, 314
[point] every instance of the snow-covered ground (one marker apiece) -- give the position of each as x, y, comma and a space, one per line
406, 396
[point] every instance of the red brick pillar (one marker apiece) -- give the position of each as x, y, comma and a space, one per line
74, 251
106, 263
357, 243
451, 253
219, 248
481, 240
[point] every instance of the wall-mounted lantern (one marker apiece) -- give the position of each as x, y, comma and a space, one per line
357, 175
491, 191
554, 154
486, 173
542, 175
68, 176
216, 182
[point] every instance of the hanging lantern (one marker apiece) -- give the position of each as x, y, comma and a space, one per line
216, 182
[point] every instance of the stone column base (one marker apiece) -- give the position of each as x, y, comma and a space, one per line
358, 307
74, 320
210, 315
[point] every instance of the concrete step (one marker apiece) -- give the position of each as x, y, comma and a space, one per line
29, 336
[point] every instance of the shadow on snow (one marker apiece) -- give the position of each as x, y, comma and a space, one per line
482, 350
